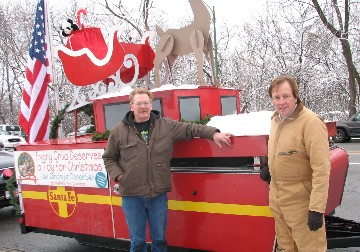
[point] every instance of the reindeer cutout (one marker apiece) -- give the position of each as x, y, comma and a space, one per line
192, 38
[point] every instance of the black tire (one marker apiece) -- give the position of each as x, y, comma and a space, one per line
340, 136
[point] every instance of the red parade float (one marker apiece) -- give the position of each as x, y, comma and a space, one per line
218, 201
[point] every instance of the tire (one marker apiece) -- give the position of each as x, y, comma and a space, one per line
340, 136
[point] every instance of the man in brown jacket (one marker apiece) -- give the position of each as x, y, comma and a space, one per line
138, 156
299, 164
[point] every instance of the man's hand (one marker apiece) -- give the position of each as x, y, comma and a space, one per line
265, 174
222, 139
315, 220
118, 178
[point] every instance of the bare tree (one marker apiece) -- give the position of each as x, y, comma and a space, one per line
339, 26
13, 46
249, 57
137, 22
284, 43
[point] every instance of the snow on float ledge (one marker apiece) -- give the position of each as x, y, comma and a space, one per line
246, 124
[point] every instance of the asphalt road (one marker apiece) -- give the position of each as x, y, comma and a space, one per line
350, 205
11, 239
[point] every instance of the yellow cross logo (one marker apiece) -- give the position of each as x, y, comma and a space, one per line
62, 201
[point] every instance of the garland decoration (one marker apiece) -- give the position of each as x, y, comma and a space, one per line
203, 121
100, 136
55, 123
10, 186
88, 109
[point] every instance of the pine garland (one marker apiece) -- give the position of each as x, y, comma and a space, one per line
203, 121
55, 123
101, 136
88, 110
11, 188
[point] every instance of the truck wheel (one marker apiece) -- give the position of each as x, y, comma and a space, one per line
340, 136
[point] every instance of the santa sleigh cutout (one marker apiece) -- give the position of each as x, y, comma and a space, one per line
87, 59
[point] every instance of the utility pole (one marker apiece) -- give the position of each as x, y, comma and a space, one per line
215, 44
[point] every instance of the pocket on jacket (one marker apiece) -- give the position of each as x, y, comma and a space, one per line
307, 185
128, 151
162, 174
286, 163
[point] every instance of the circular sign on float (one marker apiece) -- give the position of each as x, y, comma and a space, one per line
62, 200
101, 180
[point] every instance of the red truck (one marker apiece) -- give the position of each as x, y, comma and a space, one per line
218, 201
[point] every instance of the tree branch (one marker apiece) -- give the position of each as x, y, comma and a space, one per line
325, 21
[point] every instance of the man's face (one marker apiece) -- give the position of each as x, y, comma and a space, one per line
283, 99
141, 106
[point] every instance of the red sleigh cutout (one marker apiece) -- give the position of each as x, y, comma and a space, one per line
87, 59
82, 67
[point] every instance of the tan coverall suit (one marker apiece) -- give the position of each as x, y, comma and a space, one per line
299, 164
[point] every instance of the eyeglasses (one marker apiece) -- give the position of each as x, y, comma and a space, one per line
284, 97
140, 104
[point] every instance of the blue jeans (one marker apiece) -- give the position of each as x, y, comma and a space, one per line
137, 211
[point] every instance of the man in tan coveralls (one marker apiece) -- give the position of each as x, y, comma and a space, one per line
299, 164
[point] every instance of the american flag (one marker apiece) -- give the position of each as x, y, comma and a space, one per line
34, 110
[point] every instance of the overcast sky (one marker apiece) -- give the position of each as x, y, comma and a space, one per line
227, 10
233, 12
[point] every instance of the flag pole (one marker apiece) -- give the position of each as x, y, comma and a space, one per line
53, 79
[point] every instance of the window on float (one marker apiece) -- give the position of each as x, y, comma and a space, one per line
228, 105
189, 109
157, 105
115, 112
